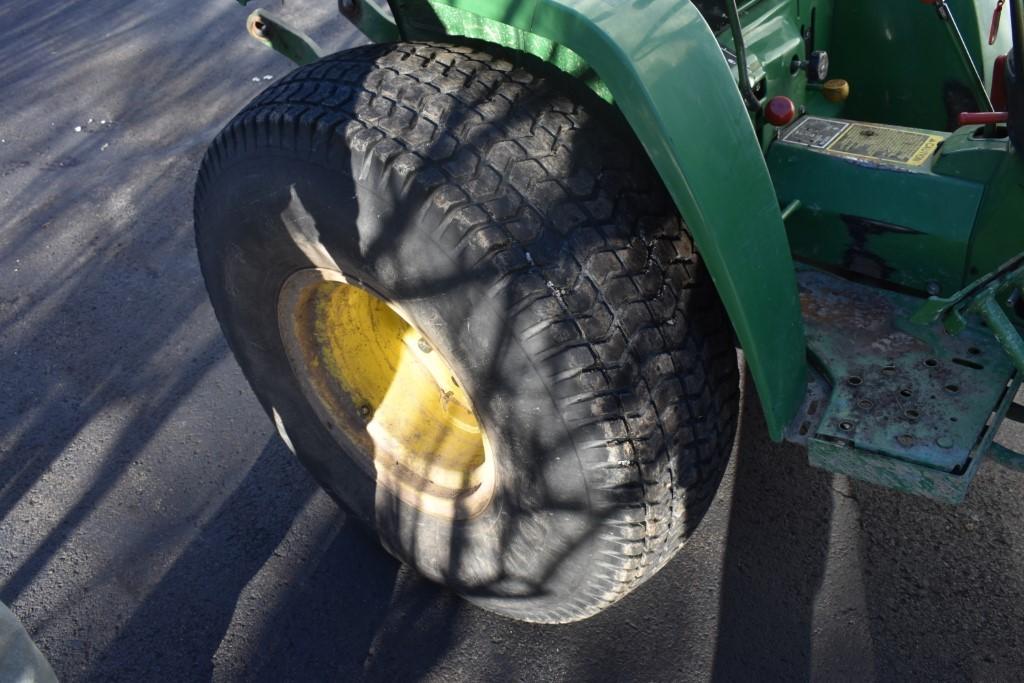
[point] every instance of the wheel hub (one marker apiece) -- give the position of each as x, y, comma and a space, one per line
386, 394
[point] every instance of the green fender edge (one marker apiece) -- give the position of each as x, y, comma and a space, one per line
660, 63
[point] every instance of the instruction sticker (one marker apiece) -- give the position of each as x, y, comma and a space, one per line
881, 144
815, 132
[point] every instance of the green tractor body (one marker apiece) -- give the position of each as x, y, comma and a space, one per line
824, 234
488, 276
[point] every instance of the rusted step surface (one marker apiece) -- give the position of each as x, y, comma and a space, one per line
905, 406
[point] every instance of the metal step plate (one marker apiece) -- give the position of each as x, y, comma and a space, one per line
911, 407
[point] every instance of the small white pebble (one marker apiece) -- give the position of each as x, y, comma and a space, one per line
268, 77
90, 121
255, 79
103, 122
78, 129
105, 145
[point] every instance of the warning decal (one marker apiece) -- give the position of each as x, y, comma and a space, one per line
815, 132
883, 144
886, 144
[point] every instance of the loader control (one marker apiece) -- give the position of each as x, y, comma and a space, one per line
836, 90
816, 66
780, 111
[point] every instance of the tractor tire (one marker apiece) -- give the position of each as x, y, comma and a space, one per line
459, 289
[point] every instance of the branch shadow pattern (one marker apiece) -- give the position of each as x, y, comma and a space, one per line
108, 442
385, 630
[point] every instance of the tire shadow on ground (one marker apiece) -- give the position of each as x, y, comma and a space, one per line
312, 619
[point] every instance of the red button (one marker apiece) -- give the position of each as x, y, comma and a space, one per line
779, 111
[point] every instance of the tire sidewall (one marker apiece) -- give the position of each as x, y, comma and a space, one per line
272, 213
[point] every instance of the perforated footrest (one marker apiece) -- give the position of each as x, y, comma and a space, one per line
909, 407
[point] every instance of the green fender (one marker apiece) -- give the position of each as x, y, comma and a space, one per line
663, 67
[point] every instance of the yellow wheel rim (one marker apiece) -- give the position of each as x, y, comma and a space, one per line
385, 393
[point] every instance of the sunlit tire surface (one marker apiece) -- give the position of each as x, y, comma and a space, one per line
511, 222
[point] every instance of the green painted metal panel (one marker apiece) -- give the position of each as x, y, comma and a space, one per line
911, 407
899, 57
666, 72
375, 24
457, 21
907, 225
1000, 226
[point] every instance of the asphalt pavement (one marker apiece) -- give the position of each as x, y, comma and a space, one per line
153, 527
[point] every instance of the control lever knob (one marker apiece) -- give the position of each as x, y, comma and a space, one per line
816, 66
779, 111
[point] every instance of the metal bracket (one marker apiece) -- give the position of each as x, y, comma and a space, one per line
371, 21
1007, 458
905, 406
984, 297
277, 34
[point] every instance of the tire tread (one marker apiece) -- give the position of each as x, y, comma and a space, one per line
607, 290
